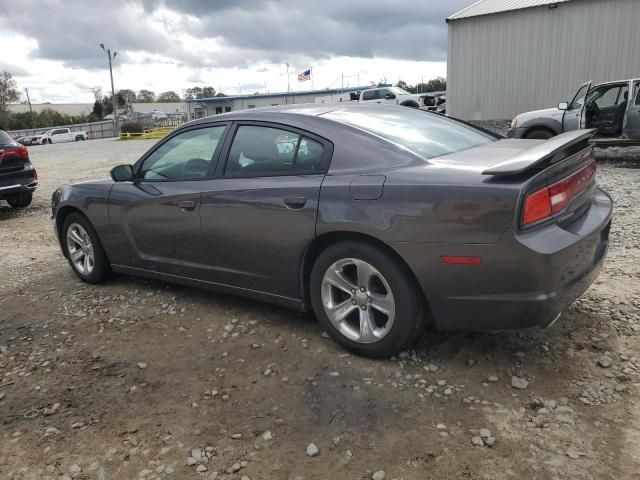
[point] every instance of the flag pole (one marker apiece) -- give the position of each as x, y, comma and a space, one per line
311, 72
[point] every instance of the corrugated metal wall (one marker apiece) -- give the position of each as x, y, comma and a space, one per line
504, 64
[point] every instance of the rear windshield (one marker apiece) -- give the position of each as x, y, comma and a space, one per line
429, 135
5, 138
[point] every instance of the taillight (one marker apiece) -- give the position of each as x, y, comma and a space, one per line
18, 151
551, 199
537, 206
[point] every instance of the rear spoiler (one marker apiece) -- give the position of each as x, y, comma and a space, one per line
531, 157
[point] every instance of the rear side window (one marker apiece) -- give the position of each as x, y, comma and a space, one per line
370, 95
265, 151
427, 134
5, 138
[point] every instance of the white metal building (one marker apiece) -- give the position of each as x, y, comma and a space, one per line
510, 56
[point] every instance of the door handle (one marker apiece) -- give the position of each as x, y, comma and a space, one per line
187, 205
295, 202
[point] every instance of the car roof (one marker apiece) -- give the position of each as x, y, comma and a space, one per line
294, 111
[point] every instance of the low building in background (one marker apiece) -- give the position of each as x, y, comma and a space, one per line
204, 107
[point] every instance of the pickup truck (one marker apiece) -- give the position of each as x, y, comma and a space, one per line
612, 108
59, 135
394, 96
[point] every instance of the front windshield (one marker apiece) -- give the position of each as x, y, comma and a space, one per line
427, 134
399, 91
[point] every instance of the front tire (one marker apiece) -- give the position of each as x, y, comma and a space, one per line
366, 300
539, 134
84, 250
20, 200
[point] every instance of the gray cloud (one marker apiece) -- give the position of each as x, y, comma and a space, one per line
251, 31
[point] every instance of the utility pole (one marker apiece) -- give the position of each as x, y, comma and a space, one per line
33, 122
113, 91
288, 87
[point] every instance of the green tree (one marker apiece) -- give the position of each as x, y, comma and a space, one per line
98, 109
438, 84
208, 92
128, 96
146, 96
168, 97
8, 94
405, 86
194, 93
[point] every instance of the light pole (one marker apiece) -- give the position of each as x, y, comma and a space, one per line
113, 92
288, 87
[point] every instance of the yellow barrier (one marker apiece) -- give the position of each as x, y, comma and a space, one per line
152, 133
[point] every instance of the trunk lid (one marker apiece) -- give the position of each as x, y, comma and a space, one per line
558, 173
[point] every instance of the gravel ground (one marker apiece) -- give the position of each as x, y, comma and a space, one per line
143, 379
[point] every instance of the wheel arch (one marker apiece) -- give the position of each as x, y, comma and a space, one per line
321, 242
542, 128
61, 215
550, 125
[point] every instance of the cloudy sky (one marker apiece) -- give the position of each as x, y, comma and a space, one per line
52, 46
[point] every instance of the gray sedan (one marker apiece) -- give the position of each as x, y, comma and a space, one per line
379, 218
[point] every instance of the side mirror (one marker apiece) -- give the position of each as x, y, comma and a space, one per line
122, 173
390, 96
563, 106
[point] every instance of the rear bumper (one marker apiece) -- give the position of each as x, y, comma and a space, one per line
525, 280
17, 184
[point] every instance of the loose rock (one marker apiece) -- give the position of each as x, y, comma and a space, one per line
313, 450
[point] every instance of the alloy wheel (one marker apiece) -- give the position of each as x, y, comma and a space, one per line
80, 249
358, 300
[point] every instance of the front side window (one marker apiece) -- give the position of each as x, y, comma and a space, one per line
263, 151
185, 156
429, 135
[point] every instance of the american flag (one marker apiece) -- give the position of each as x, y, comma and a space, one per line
304, 76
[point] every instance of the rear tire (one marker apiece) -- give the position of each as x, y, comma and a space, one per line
376, 282
539, 134
86, 244
20, 200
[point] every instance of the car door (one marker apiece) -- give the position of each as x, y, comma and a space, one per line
369, 96
156, 217
382, 96
57, 136
632, 126
573, 118
259, 213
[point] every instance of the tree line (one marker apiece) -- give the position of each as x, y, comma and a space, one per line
438, 84
103, 105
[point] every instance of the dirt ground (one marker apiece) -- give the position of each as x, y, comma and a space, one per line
142, 379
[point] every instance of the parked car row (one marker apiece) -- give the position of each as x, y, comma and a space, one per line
55, 135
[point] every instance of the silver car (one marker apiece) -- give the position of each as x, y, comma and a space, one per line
613, 108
